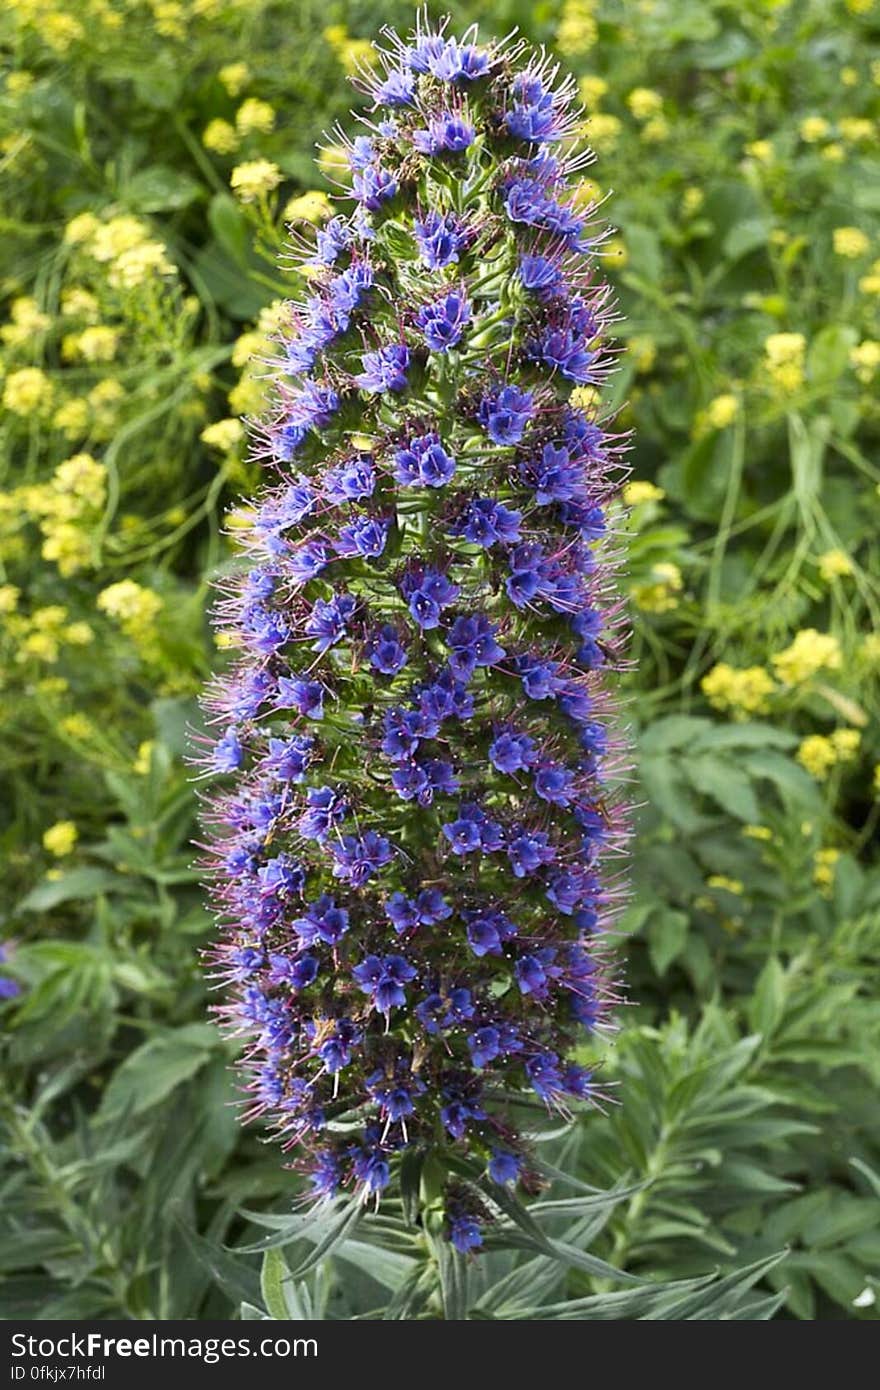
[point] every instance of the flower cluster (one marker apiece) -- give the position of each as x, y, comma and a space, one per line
409, 847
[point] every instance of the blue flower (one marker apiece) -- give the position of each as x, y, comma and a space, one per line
308, 560
540, 275
471, 642
384, 370
323, 921
563, 350
227, 753
555, 476
328, 620
447, 59
488, 931
529, 851
504, 414
444, 134
504, 1166
554, 784
326, 808
444, 321
428, 594
373, 186
359, 857
396, 89
288, 759
351, 481
512, 752
385, 651
365, 536
486, 522
424, 462
464, 1233
303, 695
439, 238
383, 979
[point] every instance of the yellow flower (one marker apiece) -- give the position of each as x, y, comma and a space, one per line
784, 359
60, 838
692, 200
817, 754
139, 263
740, 691
857, 129
27, 391
577, 31
643, 352
333, 162
592, 89
655, 131
825, 866
131, 605
82, 478
719, 413
77, 725
865, 359
68, 546
811, 651
27, 321
729, 885
223, 434
584, 397
834, 153
870, 284
356, 54
312, 206
234, 77
95, 344
814, 128
78, 634
143, 761
850, 243
644, 103
9, 596
661, 593
846, 743
636, 492
81, 228
877, 781
757, 832
247, 397
254, 179
72, 418
870, 648
254, 117
602, 131
761, 150
220, 137
859, 6
120, 234
835, 564
849, 77
18, 83
616, 252
79, 303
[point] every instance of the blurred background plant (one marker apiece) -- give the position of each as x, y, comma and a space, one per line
151, 152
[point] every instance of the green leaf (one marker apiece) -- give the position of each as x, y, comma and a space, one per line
154, 1069
667, 934
86, 882
161, 189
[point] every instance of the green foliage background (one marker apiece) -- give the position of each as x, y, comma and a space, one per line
741, 144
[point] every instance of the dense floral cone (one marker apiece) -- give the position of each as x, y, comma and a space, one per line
413, 833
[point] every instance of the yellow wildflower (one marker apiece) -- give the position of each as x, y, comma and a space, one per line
825, 866
27, 321
816, 753
661, 593
784, 359
234, 77
857, 129
643, 352
577, 31
616, 252
644, 103
72, 418
584, 397
139, 263
254, 179
638, 491
9, 596
60, 838
811, 651
835, 564
79, 303
131, 605
761, 150
223, 434
78, 634
333, 162
592, 89
813, 129
27, 391
220, 137
77, 725
68, 546
655, 131
739, 691
143, 761
120, 234
729, 885
850, 243
834, 153
864, 359
312, 206
846, 743
603, 131
94, 344
81, 228
870, 283
757, 832
254, 117
692, 200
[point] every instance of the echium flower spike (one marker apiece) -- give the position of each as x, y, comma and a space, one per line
417, 749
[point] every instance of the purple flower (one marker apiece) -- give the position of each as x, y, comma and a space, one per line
384, 370
351, 482
423, 463
563, 350
366, 536
512, 752
439, 238
428, 594
373, 186
326, 808
471, 642
504, 1167
328, 621
504, 414
227, 754
540, 275
444, 134
397, 89
443, 322
359, 857
486, 522
529, 851
464, 1233
385, 651
307, 697
383, 979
